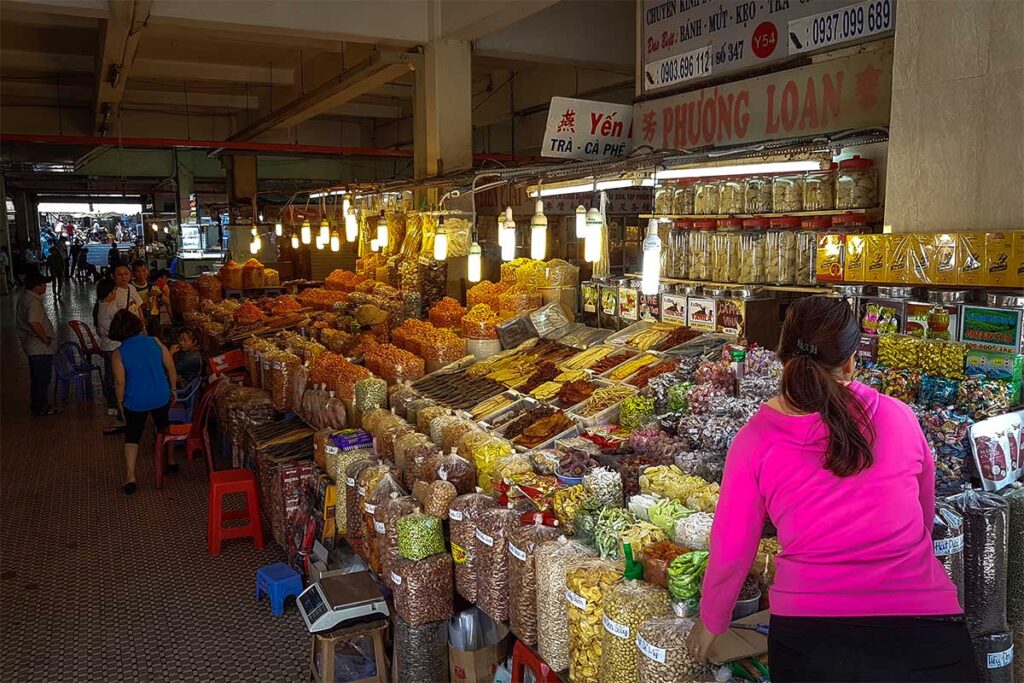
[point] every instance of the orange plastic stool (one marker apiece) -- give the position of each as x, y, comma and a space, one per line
524, 659
233, 481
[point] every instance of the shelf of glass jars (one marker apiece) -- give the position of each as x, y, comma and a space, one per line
797, 289
792, 214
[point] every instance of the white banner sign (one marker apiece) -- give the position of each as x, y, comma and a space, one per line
587, 130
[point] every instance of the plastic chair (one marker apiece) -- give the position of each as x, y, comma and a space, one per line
86, 339
195, 435
182, 412
524, 659
222, 483
70, 367
277, 581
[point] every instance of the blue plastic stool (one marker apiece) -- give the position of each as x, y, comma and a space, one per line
277, 581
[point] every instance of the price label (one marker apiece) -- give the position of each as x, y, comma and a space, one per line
370, 508
615, 628
484, 538
656, 654
516, 553
455, 515
396, 579
361, 490
841, 26
997, 660
379, 527
331, 450
350, 481
575, 599
949, 546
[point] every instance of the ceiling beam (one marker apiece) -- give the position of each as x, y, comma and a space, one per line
174, 70
472, 20
335, 92
119, 41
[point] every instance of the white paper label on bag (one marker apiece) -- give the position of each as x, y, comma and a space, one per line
455, 515
484, 538
997, 660
516, 553
379, 527
949, 546
331, 449
615, 628
396, 579
361, 490
575, 599
370, 508
656, 654
350, 481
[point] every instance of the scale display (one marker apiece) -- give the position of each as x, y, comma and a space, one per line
334, 600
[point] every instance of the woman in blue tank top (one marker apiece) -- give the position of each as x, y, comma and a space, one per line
144, 377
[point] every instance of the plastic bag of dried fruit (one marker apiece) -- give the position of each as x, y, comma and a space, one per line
522, 548
586, 583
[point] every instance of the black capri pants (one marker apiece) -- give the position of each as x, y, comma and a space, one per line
135, 422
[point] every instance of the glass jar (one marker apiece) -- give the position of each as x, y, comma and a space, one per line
705, 197
730, 196
663, 200
820, 190
682, 199
757, 195
807, 248
679, 247
752, 251
787, 193
725, 250
699, 252
857, 184
781, 251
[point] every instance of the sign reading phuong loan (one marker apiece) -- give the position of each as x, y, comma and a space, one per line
689, 40
587, 130
840, 94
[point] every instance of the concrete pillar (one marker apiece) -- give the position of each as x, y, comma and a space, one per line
26, 219
185, 181
443, 109
956, 153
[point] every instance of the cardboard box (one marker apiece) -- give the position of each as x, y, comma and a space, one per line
970, 258
998, 259
1018, 256
874, 258
741, 643
831, 252
476, 666
897, 258
856, 262
942, 268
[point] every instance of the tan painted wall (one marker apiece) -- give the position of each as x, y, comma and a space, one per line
956, 150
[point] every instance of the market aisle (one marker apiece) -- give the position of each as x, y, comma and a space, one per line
95, 585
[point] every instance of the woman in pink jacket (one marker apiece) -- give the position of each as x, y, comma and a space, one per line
846, 476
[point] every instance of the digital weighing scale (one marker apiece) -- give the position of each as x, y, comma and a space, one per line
335, 600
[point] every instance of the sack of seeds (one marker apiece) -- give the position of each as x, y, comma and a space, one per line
421, 652
551, 561
463, 515
948, 541
664, 657
423, 588
986, 517
625, 606
491, 549
522, 547
385, 520
419, 536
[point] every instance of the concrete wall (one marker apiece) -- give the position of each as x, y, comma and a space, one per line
956, 151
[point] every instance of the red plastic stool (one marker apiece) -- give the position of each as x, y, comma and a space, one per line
232, 481
523, 660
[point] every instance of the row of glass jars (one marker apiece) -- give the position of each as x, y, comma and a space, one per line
776, 251
851, 184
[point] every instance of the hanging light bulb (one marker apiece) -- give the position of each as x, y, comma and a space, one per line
278, 229
167, 230
374, 245
581, 222
254, 231
539, 233
325, 231
156, 228
335, 241
382, 231
351, 225
652, 260
507, 235
440, 240
592, 239
307, 232
474, 265
295, 241
255, 245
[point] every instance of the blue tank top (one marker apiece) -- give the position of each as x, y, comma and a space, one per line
146, 386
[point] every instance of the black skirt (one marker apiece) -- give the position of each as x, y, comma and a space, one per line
884, 649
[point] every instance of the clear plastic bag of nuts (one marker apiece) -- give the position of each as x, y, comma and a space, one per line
664, 657
463, 515
523, 543
457, 470
440, 495
551, 561
491, 549
625, 607
404, 445
423, 588
282, 380
385, 518
354, 494
586, 583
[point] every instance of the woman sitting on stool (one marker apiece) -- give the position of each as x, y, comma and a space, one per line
144, 380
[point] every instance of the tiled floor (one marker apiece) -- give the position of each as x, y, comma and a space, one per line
99, 586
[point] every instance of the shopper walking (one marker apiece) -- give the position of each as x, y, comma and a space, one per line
846, 476
144, 380
38, 340
102, 316
58, 266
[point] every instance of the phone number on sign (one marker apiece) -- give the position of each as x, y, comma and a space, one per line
841, 26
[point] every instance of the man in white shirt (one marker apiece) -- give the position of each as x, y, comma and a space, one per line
38, 340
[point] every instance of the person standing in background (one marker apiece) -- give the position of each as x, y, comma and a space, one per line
58, 266
38, 341
5, 272
76, 249
146, 293
125, 297
102, 315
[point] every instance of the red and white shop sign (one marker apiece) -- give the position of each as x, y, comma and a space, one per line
839, 94
587, 130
